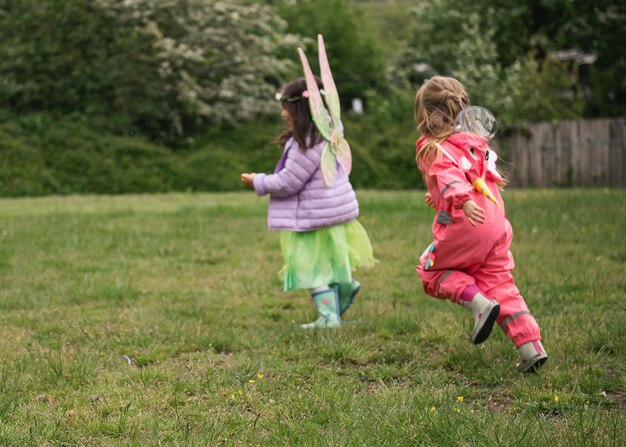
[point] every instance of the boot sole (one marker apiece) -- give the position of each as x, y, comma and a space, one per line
487, 326
533, 365
321, 324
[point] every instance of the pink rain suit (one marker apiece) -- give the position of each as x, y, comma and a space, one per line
462, 254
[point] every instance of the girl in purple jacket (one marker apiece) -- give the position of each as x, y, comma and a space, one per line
321, 241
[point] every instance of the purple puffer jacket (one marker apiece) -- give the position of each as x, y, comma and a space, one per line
299, 200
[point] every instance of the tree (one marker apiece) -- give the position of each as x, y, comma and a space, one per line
161, 67
355, 58
525, 43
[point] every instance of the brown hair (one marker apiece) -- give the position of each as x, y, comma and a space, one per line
437, 103
301, 124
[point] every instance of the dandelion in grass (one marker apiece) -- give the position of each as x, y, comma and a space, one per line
240, 392
459, 399
232, 396
251, 381
259, 376
556, 398
432, 409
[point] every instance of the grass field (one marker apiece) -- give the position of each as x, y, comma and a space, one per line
159, 320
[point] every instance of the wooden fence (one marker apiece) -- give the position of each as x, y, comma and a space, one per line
568, 153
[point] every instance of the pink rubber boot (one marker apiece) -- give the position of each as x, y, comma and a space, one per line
531, 357
485, 312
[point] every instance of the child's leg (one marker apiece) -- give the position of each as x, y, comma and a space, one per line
484, 310
445, 284
515, 319
460, 288
495, 279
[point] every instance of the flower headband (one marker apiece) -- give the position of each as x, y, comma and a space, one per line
304, 95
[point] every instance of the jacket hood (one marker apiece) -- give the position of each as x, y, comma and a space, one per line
466, 140
460, 139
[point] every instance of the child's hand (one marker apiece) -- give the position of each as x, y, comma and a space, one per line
248, 179
473, 212
429, 200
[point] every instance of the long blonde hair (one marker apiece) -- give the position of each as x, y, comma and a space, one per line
437, 103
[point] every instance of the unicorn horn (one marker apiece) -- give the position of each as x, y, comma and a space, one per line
481, 187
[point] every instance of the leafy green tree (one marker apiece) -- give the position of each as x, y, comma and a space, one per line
527, 90
162, 68
521, 47
355, 57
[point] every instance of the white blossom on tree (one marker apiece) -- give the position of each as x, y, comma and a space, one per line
217, 60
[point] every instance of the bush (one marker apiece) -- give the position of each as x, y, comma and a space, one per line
43, 155
163, 69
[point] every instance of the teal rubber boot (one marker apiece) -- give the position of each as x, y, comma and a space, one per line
327, 303
347, 293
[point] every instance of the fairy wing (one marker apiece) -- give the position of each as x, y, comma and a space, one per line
328, 165
344, 155
340, 145
337, 148
318, 111
330, 89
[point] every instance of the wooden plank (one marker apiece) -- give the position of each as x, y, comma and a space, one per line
521, 161
602, 132
567, 135
617, 153
540, 142
548, 153
559, 168
579, 146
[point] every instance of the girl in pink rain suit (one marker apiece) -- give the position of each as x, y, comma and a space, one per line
469, 262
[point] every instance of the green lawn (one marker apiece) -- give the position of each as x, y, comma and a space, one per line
159, 320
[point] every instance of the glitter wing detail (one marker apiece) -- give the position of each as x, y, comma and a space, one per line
328, 165
318, 111
338, 143
336, 148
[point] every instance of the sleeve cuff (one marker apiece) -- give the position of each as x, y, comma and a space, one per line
459, 200
258, 184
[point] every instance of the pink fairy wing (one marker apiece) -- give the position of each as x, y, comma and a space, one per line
328, 165
318, 111
344, 155
332, 97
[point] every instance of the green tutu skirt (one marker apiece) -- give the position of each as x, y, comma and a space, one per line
324, 256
